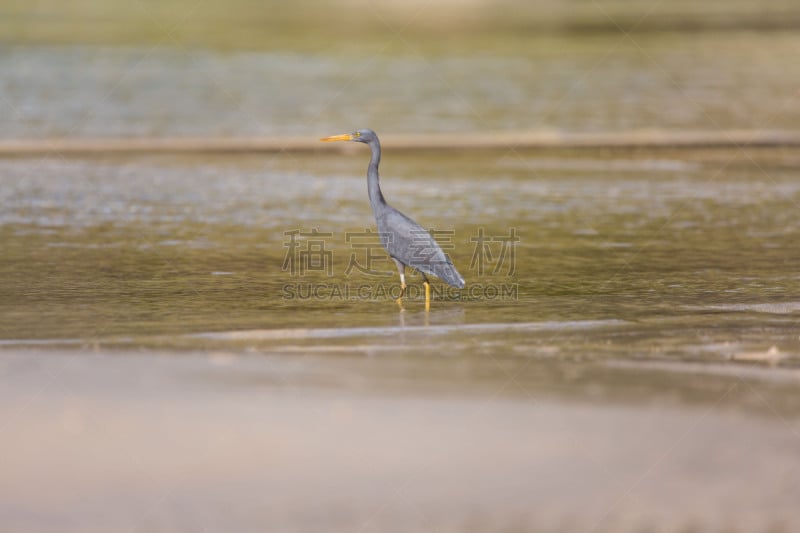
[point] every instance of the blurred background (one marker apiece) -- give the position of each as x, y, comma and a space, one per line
246, 68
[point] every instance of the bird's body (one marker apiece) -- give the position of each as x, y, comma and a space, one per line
408, 243
411, 245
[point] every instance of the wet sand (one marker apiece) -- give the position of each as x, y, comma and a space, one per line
152, 441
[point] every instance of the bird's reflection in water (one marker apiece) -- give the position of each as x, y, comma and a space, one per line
439, 316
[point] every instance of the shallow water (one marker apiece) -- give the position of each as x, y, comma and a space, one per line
99, 248
171, 362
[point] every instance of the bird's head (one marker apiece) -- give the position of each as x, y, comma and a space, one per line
360, 136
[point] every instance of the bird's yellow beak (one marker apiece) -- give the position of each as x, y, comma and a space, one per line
343, 137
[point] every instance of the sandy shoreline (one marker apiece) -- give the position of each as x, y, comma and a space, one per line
156, 441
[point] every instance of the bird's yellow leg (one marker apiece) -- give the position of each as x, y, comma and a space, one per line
402, 293
427, 295
402, 290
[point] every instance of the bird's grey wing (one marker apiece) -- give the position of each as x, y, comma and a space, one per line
413, 245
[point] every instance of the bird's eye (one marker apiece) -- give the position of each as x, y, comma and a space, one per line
356, 134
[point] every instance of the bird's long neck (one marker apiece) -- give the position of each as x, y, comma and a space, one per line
373, 187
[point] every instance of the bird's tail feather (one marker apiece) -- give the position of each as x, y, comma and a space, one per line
450, 275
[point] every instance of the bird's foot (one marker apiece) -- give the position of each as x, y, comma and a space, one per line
399, 299
427, 296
